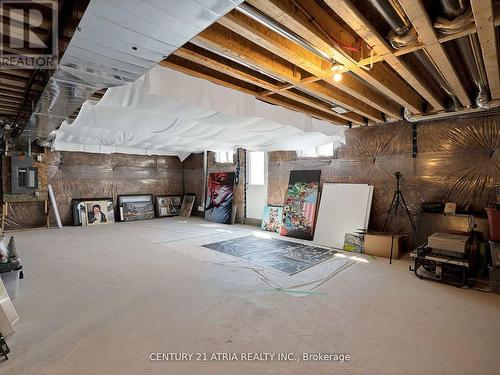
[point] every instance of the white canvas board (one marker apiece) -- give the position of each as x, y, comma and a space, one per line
344, 208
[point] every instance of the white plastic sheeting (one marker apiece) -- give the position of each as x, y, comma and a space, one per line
170, 113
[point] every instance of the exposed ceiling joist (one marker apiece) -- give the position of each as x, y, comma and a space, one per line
13, 81
194, 71
381, 79
356, 21
304, 59
469, 30
9, 100
418, 16
225, 42
239, 73
346, 92
483, 16
5, 93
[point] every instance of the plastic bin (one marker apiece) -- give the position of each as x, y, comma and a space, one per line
494, 223
494, 279
495, 253
11, 281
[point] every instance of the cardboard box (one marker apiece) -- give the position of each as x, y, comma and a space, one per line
379, 244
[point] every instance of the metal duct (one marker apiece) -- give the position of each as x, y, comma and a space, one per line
453, 9
493, 106
434, 73
116, 42
263, 19
386, 10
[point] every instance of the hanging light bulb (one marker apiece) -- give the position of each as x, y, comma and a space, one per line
337, 69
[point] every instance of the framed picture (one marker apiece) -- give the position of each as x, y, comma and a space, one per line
272, 218
80, 210
168, 205
99, 212
219, 199
136, 207
187, 205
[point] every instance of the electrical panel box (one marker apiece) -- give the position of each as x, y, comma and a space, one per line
24, 177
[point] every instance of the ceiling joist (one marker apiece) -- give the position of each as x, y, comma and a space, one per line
239, 73
210, 75
418, 16
353, 17
227, 43
381, 78
483, 16
350, 93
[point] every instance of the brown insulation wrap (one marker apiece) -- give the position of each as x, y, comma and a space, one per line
457, 161
83, 175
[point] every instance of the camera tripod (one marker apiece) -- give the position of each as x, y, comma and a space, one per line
397, 200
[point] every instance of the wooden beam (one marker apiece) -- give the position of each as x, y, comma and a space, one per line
9, 105
234, 71
8, 112
9, 100
225, 42
311, 79
483, 16
294, 106
228, 68
193, 72
209, 77
13, 81
469, 30
356, 21
5, 93
11, 88
384, 80
350, 93
418, 16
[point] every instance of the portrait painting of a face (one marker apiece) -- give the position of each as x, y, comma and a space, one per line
99, 212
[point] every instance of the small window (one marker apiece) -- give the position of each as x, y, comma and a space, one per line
224, 157
257, 167
318, 151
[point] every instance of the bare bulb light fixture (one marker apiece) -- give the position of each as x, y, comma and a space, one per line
337, 69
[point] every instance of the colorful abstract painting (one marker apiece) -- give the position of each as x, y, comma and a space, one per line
299, 210
272, 218
219, 200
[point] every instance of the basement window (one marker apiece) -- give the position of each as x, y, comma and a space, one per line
257, 167
318, 151
224, 156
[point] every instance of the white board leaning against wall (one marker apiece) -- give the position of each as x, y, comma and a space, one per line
344, 208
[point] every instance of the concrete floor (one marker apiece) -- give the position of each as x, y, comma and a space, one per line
99, 300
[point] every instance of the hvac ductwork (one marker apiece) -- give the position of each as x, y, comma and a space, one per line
263, 19
116, 42
461, 17
403, 35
